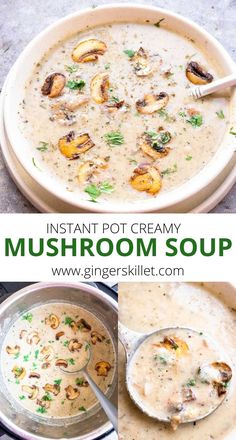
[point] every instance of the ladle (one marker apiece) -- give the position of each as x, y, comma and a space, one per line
216, 86
106, 404
132, 341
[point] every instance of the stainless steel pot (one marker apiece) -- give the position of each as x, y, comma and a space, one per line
26, 426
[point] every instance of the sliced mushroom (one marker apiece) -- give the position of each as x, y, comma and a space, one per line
53, 85
142, 66
71, 146
102, 368
72, 393
152, 103
99, 87
197, 74
54, 389
83, 325
88, 50
90, 167
61, 363
23, 333
44, 403
155, 146
74, 326
31, 391
146, 178
33, 338
34, 375
74, 345
46, 365
59, 335
48, 353
13, 350
19, 372
53, 321
96, 337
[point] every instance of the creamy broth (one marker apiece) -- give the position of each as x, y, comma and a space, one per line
145, 307
185, 133
41, 349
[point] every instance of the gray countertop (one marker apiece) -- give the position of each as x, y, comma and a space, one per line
21, 20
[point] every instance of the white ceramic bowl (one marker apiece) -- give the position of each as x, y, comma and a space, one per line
191, 193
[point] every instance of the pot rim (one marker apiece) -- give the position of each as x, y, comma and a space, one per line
19, 432
185, 191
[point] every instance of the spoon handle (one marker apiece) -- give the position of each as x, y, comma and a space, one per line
108, 407
128, 338
216, 86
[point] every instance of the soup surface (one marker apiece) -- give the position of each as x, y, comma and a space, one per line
145, 307
46, 339
178, 375
119, 124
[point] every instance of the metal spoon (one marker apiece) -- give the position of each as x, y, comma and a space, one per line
132, 341
108, 407
216, 86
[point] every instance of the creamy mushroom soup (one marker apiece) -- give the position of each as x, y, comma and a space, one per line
144, 307
179, 375
108, 113
46, 339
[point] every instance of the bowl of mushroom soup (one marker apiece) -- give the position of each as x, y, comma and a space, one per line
45, 328
98, 112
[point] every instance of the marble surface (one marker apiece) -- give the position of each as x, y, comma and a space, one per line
21, 20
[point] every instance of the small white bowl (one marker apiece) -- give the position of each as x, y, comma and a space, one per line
191, 193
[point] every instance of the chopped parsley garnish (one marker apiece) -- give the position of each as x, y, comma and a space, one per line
57, 381
28, 317
95, 191
79, 381
159, 139
34, 163
66, 343
200, 333
26, 358
182, 114
72, 68
43, 146
22, 397
170, 170
82, 408
129, 52
191, 383
41, 410
36, 354
157, 24
68, 320
107, 66
71, 361
195, 120
188, 157
220, 114
75, 84
114, 138
17, 382
16, 355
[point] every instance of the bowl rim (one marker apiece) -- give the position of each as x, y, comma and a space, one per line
163, 201
107, 427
